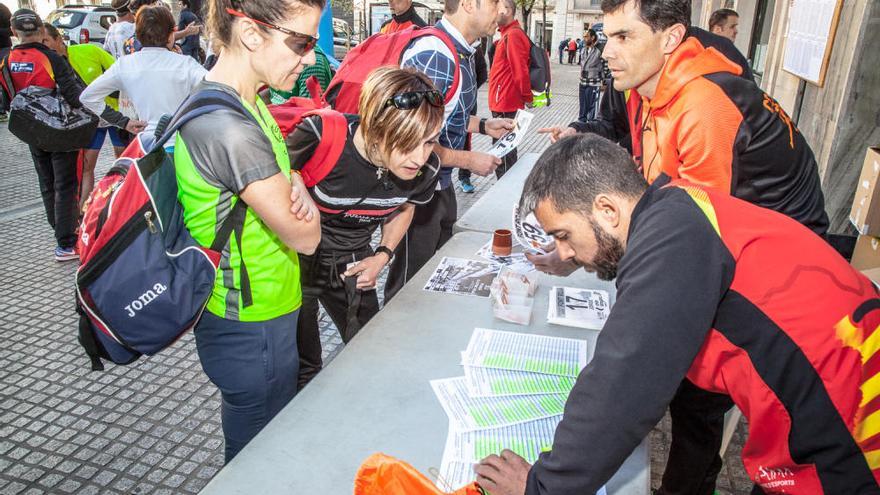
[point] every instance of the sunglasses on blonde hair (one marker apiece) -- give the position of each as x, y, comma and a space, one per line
302, 49
414, 99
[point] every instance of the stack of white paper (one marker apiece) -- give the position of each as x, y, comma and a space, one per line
511, 397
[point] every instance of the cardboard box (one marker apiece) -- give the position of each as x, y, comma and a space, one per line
866, 257
865, 213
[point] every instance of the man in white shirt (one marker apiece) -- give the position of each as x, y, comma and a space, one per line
120, 30
156, 79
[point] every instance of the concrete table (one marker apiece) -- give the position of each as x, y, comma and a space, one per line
375, 396
495, 209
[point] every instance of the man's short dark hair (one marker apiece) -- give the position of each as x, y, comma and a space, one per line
659, 14
52, 31
451, 6
720, 16
153, 25
572, 172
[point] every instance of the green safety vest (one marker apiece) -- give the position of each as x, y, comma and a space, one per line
90, 61
272, 267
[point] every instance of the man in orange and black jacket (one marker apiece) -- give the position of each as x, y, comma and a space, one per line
510, 86
692, 115
403, 16
619, 111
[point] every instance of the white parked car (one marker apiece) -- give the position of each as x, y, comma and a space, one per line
81, 24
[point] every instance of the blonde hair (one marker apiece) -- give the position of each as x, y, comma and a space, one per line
386, 128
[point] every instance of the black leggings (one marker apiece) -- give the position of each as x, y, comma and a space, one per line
348, 307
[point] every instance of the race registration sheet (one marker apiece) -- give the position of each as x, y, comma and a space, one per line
468, 413
464, 449
492, 382
525, 352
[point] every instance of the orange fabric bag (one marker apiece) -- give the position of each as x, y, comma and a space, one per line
381, 474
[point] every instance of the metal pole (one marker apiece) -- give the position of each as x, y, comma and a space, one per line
544, 25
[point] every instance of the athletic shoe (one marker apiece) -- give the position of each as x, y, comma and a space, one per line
68, 254
466, 186
4, 116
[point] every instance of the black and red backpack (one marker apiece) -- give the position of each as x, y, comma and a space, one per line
143, 281
380, 50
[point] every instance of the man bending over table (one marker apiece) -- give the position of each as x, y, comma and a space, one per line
739, 299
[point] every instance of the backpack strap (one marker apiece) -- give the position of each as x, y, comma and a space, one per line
198, 104
201, 103
7, 81
235, 223
330, 145
314, 88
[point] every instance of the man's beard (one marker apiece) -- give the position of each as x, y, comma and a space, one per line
610, 251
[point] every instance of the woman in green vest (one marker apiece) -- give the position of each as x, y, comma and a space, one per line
246, 337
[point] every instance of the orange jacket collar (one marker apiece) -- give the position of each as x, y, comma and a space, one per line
688, 62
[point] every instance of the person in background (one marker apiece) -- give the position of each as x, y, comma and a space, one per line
724, 22
190, 44
31, 63
133, 44
464, 22
320, 69
510, 86
114, 44
246, 337
591, 78
572, 50
388, 160
563, 45
5, 41
120, 30
156, 79
481, 72
403, 16
5, 29
88, 61
709, 290
580, 49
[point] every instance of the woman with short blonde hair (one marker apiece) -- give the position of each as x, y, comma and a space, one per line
386, 168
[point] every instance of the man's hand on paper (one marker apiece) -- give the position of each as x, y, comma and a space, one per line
551, 264
482, 163
498, 127
557, 132
503, 475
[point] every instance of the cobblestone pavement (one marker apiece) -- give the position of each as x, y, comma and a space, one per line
153, 426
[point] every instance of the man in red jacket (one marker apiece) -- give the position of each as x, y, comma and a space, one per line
510, 87
709, 287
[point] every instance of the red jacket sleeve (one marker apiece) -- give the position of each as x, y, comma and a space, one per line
518, 47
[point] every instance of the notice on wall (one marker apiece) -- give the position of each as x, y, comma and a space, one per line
811, 28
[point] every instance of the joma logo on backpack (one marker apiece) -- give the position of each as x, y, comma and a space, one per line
144, 299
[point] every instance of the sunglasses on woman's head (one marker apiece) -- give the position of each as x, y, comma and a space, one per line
308, 41
413, 99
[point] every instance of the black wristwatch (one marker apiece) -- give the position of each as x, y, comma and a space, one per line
384, 249
482, 126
